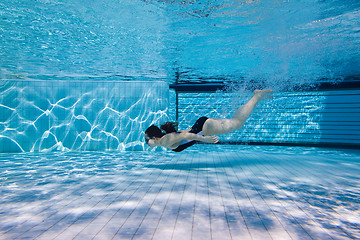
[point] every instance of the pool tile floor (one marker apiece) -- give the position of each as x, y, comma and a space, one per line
231, 192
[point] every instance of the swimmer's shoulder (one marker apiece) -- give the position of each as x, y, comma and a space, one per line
171, 139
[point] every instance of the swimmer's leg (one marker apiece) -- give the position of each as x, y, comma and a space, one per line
223, 126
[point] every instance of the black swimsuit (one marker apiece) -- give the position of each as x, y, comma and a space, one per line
197, 129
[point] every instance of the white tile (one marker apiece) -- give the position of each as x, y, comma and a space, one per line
176, 203
259, 234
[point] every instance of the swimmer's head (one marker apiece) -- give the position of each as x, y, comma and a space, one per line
151, 133
150, 142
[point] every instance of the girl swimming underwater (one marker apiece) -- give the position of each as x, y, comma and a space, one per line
204, 129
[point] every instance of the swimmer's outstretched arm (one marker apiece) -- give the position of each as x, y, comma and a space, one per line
192, 136
188, 130
171, 139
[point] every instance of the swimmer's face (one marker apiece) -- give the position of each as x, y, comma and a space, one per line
150, 141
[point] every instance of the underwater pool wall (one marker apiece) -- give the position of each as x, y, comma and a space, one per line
40, 116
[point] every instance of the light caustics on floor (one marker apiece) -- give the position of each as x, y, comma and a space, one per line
207, 192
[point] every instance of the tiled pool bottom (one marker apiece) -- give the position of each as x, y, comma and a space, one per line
208, 192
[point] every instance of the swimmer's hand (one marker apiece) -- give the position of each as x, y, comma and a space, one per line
211, 139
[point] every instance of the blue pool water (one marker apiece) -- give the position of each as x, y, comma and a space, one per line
86, 75
279, 42
92, 75
80, 81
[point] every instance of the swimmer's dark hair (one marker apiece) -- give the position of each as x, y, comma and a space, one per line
154, 131
169, 127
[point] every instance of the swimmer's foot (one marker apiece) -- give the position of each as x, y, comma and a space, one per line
263, 94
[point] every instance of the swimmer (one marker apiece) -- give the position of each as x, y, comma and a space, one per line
205, 129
